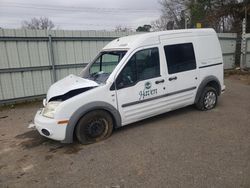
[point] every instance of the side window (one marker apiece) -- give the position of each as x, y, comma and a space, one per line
143, 65
180, 57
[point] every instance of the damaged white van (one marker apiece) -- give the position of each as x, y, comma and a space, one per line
134, 78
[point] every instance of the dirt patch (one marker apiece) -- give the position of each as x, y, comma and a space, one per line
238, 75
32, 143
31, 139
55, 149
48, 157
72, 149
66, 149
243, 78
3, 117
33, 134
2, 166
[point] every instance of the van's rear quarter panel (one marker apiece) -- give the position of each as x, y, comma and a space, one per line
208, 53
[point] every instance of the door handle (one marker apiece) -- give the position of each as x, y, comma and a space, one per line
159, 81
172, 78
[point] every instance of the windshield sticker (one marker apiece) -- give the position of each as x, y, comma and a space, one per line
147, 91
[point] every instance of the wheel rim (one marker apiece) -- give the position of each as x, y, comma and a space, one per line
210, 100
96, 128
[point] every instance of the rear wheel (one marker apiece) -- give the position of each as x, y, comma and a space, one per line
94, 126
208, 99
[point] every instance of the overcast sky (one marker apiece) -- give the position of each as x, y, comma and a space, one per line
80, 14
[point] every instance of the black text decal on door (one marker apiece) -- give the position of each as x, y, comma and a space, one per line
147, 91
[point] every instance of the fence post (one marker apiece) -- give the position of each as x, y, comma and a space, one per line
243, 46
52, 60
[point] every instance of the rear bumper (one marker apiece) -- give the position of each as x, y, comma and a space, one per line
49, 128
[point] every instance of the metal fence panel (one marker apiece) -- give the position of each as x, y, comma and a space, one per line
3, 56
247, 63
27, 62
7, 86
31, 59
228, 46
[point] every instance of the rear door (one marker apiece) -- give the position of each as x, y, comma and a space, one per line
139, 85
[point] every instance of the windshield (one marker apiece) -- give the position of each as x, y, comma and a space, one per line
104, 65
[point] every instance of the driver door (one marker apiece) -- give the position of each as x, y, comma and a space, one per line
139, 85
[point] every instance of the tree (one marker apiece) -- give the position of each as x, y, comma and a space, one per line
222, 15
145, 28
211, 13
173, 15
120, 28
38, 23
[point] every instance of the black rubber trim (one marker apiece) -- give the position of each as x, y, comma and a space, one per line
158, 97
210, 65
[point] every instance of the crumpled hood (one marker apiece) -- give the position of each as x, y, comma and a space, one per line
67, 84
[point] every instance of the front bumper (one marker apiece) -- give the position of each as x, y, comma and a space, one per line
49, 128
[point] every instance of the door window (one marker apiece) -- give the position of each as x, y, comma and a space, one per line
180, 57
143, 65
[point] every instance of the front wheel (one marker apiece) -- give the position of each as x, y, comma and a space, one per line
208, 99
94, 126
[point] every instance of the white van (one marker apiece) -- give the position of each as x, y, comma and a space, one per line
134, 78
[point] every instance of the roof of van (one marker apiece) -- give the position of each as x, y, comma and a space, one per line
145, 39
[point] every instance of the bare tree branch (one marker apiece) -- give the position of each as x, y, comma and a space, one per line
120, 28
42, 23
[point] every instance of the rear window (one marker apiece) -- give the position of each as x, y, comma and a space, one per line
180, 57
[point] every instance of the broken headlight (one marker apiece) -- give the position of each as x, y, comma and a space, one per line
50, 108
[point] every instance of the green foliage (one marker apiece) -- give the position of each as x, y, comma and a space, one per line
222, 15
197, 12
145, 28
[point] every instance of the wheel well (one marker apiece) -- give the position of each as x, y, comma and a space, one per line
113, 119
215, 85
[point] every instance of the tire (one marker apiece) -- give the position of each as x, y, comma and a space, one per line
94, 127
208, 99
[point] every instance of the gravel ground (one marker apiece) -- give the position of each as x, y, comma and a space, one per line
184, 148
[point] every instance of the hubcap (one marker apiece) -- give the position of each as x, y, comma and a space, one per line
210, 100
96, 128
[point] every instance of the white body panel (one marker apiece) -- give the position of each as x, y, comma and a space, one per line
129, 102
